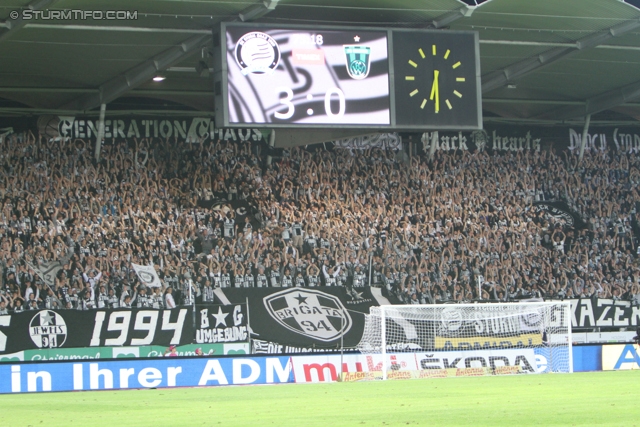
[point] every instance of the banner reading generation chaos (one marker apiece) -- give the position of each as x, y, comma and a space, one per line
97, 328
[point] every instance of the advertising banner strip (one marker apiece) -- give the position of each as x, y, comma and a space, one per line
105, 353
133, 374
620, 357
358, 367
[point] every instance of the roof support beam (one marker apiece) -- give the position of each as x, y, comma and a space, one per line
143, 72
116, 28
520, 69
604, 101
450, 17
257, 11
139, 74
14, 25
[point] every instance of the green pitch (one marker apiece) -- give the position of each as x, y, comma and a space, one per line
581, 399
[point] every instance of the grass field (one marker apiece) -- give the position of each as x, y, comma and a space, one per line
581, 399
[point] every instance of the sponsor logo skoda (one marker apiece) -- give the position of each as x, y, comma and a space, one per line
48, 329
310, 313
257, 53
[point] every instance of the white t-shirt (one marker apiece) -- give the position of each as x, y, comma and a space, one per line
169, 301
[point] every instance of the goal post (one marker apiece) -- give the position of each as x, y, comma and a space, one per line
469, 339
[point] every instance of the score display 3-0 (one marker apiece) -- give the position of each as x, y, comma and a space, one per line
289, 76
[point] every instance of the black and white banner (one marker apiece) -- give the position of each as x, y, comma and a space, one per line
47, 271
96, 328
221, 323
242, 208
604, 314
384, 141
304, 317
189, 130
561, 210
505, 138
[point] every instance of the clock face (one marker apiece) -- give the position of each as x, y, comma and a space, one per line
436, 83
442, 68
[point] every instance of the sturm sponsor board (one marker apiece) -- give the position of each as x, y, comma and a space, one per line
135, 374
221, 324
50, 329
488, 327
327, 368
104, 353
356, 367
487, 360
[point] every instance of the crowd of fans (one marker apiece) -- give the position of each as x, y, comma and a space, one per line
459, 227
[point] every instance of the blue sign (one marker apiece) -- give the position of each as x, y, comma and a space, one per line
132, 374
585, 358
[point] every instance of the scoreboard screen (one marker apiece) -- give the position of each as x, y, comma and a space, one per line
315, 77
285, 76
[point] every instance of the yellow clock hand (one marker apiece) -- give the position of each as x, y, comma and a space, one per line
435, 92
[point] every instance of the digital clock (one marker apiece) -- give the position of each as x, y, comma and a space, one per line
437, 80
346, 77
313, 77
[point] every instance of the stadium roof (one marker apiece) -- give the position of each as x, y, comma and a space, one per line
543, 60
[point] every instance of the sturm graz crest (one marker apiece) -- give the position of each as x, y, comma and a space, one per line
257, 53
48, 329
310, 313
146, 278
452, 320
358, 61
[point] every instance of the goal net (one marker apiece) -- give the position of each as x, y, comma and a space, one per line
421, 341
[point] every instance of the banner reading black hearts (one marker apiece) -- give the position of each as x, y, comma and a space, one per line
96, 328
305, 317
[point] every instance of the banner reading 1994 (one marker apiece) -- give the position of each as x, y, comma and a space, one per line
97, 328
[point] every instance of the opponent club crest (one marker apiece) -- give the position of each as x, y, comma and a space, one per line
358, 61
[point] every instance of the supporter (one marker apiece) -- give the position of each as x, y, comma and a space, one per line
431, 228
168, 299
4, 304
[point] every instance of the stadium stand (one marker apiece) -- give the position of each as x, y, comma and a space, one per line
460, 227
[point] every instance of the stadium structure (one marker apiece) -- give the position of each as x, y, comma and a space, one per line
212, 192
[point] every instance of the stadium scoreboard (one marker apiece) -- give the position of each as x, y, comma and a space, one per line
319, 77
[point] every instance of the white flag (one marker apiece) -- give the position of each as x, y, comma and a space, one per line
147, 275
47, 271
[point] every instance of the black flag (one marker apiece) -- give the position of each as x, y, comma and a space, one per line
560, 209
